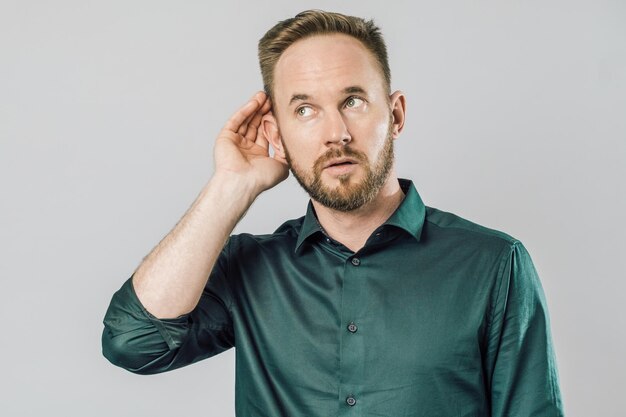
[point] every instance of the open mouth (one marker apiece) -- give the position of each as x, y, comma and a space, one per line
342, 162
341, 167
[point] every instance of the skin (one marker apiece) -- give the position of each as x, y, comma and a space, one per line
170, 280
318, 110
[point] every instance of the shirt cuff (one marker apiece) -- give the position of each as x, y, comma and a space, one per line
126, 314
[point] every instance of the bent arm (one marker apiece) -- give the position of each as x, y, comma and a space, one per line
174, 310
139, 342
170, 280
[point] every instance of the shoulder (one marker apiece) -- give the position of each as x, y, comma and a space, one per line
448, 227
285, 234
475, 244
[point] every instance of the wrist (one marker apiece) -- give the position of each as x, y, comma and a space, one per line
227, 183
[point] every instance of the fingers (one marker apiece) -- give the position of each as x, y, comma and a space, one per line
254, 124
260, 138
254, 120
246, 113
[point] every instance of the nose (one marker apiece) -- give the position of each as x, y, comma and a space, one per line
336, 130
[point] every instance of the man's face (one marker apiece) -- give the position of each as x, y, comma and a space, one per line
334, 120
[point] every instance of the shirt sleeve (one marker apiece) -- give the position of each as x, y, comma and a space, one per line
139, 342
522, 371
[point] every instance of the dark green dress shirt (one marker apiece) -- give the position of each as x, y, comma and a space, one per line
434, 316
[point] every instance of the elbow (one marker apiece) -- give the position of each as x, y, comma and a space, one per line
124, 351
132, 340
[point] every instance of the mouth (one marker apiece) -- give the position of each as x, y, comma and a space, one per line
338, 167
340, 162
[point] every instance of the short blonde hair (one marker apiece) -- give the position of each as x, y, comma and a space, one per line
316, 22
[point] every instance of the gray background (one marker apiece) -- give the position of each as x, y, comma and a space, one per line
108, 110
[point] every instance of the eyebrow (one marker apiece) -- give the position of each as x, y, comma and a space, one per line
354, 89
298, 97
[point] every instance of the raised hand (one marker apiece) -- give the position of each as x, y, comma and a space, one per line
171, 279
241, 148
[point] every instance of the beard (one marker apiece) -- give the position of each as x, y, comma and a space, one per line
346, 196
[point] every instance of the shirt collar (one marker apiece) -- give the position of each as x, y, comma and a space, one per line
409, 215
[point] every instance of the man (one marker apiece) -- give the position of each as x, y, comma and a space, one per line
371, 304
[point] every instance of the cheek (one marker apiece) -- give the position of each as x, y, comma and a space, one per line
382, 129
373, 131
301, 146
303, 138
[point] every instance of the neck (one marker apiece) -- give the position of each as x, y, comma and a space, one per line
353, 228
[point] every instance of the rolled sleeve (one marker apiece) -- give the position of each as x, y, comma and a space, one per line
139, 342
524, 376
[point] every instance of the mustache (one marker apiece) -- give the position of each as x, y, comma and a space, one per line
333, 153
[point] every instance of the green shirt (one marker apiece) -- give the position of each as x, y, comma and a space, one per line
434, 316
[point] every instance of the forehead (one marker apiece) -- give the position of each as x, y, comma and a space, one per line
325, 64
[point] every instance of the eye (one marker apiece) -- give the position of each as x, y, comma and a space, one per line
354, 102
304, 111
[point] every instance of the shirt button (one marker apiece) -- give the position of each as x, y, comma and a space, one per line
327, 240
350, 400
352, 328
356, 261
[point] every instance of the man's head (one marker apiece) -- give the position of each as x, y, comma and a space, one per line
332, 118
317, 22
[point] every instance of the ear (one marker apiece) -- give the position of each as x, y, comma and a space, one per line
269, 124
398, 111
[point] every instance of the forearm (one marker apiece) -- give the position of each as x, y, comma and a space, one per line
170, 280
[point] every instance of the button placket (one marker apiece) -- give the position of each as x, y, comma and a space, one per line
352, 343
